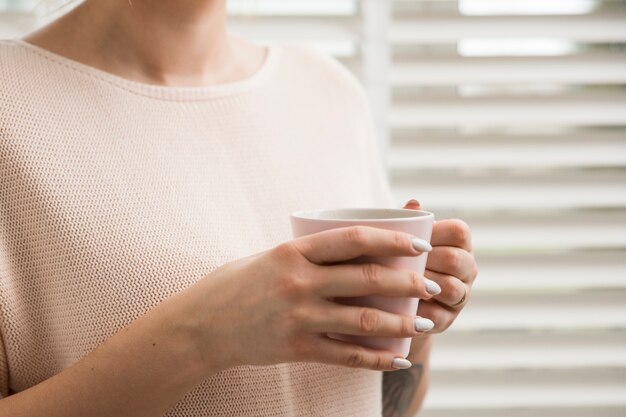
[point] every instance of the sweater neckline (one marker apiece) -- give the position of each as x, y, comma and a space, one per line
165, 92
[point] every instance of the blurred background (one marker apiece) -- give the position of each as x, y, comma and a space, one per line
509, 114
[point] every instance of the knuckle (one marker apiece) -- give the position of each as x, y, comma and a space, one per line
461, 232
290, 285
407, 327
356, 235
454, 261
372, 274
296, 318
417, 283
285, 251
402, 242
356, 358
379, 363
441, 320
368, 320
443, 325
453, 291
474, 271
295, 328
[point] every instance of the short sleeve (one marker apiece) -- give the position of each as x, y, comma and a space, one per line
357, 113
378, 178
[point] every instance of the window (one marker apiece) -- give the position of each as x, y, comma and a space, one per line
510, 115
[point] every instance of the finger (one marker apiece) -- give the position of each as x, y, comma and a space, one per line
441, 316
453, 290
452, 232
367, 321
453, 261
413, 205
355, 280
345, 243
338, 352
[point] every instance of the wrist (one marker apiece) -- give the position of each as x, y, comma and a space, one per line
184, 335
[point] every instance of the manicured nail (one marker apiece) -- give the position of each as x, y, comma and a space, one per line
421, 245
400, 363
432, 287
423, 325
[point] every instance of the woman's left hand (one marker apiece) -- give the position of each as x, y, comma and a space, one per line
450, 264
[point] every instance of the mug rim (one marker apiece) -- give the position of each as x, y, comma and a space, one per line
416, 214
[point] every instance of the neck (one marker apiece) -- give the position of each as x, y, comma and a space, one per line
165, 42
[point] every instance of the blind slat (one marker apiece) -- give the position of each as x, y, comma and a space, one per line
584, 271
535, 411
565, 231
513, 351
572, 110
547, 310
479, 195
297, 28
446, 29
509, 154
494, 71
291, 8
527, 389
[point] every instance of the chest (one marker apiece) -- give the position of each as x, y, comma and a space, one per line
118, 212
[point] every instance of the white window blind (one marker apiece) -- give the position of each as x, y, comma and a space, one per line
510, 115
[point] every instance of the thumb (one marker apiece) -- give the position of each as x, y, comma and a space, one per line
413, 204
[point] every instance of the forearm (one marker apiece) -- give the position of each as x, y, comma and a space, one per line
141, 371
404, 390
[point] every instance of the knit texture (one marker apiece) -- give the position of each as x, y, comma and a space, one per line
116, 194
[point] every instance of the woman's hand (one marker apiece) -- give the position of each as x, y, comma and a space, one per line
275, 306
450, 264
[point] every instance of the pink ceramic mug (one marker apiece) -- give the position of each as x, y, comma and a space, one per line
416, 222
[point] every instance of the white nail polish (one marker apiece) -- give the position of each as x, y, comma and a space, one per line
421, 245
423, 325
400, 363
432, 287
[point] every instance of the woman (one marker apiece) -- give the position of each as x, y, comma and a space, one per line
148, 163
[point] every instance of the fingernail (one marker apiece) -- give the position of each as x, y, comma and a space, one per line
412, 201
421, 245
432, 287
400, 363
423, 325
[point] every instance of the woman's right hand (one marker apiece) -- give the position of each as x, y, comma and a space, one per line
274, 306
267, 308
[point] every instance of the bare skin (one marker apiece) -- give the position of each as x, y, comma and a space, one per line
170, 43
147, 367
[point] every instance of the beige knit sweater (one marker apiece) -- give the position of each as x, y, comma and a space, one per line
116, 194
